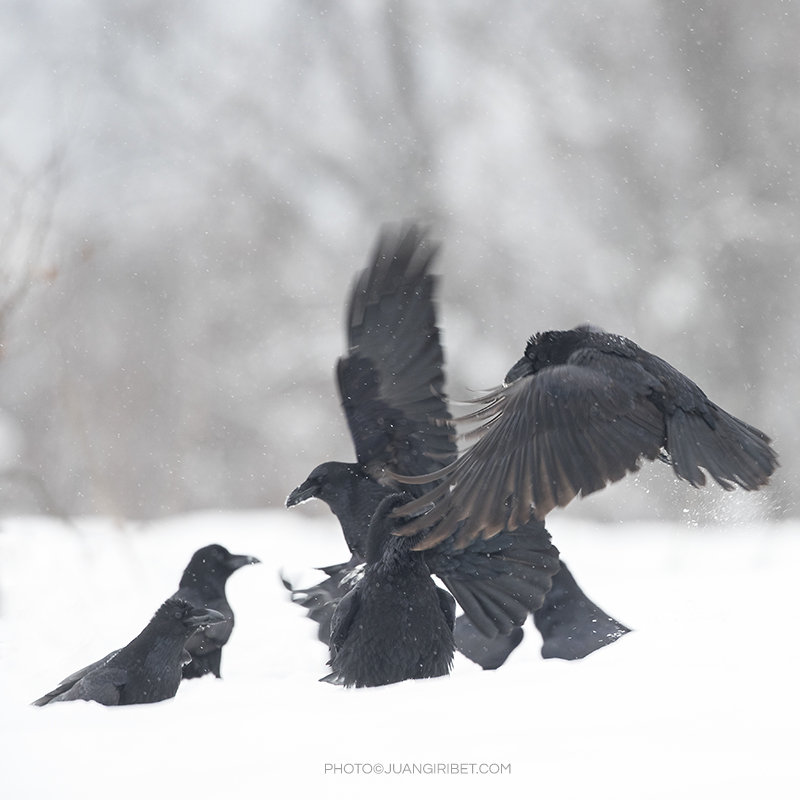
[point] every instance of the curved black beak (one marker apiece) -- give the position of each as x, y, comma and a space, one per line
305, 491
522, 368
206, 617
237, 562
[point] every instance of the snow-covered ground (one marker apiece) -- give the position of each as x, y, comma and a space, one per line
700, 701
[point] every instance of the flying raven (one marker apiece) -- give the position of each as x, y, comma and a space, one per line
148, 669
203, 585
391, 385
580, 410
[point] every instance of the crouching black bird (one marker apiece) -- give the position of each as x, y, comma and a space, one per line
396, 624
147, 670
391, 385
580, 410
203, 585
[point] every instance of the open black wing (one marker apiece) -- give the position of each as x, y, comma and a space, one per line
565, 431
391, 382
499, 581
570, 430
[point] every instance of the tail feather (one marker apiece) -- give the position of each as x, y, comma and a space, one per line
731, 451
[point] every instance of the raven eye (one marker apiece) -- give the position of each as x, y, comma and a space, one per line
178, 613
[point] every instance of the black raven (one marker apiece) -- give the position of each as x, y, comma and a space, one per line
148, 669
395, 624
496, 582
579, 410
203, 585
391, 385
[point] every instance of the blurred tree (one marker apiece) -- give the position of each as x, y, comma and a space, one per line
28, 202
225, 168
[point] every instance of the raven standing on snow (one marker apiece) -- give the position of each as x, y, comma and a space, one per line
395, 623
203, 585
391, 385
148, 669
580, 410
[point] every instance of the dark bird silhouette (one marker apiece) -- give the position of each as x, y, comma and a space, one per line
203, 585
496, 582
147, 670
391, 385
396, 624
579, 410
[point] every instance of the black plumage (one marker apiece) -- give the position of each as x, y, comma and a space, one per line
496, 582
391, 384
203, 585
572, 626
490, 653
579, 410
148, 669
395, 624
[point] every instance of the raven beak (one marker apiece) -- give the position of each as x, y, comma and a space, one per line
237, 562
305, 491
207, 617
519, 370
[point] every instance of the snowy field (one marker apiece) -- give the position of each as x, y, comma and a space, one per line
700, 701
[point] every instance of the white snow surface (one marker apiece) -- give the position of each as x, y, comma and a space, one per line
700, 701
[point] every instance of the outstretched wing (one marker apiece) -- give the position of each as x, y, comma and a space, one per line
571, 429
499, 581
391, 381
565, 431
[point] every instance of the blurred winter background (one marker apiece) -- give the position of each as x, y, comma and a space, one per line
187, 189
186, 192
